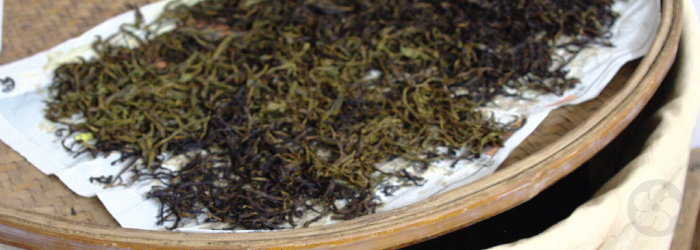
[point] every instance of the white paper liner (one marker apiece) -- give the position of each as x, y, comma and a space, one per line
27, 132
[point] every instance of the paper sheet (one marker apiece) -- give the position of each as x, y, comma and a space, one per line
21, 115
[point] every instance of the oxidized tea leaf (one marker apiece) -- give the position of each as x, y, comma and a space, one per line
287, 107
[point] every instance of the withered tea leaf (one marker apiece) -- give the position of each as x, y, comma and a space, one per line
294, 103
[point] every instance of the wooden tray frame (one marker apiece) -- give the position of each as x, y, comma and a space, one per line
520, 180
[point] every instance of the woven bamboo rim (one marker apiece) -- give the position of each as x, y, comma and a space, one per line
39, 212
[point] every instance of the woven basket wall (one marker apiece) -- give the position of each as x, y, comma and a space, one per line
566, 139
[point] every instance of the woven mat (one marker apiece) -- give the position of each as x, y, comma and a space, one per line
31, 26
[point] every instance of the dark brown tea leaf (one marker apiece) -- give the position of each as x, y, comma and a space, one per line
287, 107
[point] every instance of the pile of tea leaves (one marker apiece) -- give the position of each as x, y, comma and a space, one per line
287, 107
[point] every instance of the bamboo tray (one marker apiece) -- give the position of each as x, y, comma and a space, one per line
38, 211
